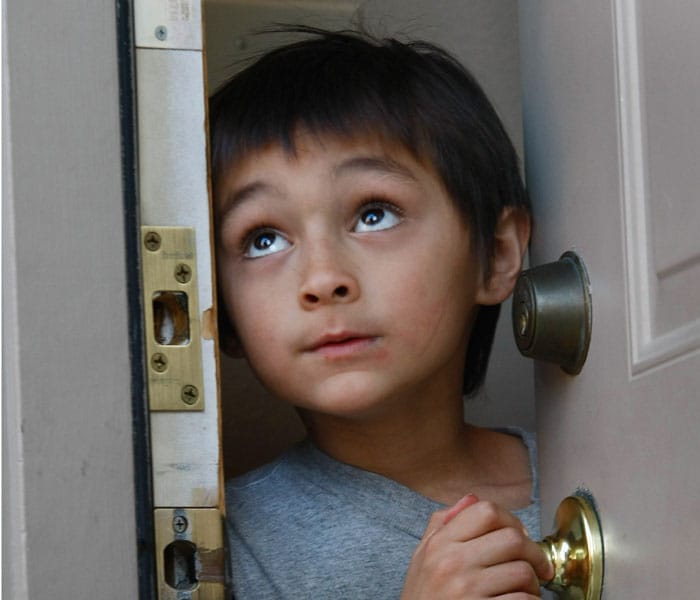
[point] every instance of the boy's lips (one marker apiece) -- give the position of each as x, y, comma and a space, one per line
342, 344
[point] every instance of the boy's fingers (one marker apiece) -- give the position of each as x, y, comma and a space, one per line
437, 520
459, 506
508, 545
544, 569
444, 516
479, 519
505, 578
500, 535
501, 531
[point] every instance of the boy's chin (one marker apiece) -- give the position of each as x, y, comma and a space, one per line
346, 398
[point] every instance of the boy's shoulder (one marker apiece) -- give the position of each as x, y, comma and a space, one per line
329, 516
279, 470
305, 481
300, 477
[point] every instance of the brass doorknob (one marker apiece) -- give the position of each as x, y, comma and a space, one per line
575, 549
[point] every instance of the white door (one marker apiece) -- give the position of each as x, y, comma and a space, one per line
612, 136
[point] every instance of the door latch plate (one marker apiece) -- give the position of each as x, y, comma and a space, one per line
171, 312
190, 557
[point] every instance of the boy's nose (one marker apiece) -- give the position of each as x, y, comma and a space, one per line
326, 281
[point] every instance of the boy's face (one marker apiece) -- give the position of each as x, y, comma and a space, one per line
348, 273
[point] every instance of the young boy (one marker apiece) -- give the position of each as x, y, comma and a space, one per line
371, 219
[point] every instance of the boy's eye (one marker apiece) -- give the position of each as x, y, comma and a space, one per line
264, 243
377, 217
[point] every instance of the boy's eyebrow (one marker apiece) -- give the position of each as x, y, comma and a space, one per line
241, 194
381, 164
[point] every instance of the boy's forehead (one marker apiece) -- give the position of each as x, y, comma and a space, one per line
341, 154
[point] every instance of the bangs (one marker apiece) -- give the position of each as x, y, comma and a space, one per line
340, 89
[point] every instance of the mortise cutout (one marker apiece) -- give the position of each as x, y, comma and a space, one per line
171, 322
180, 565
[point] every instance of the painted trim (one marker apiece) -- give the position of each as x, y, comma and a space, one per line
648, 349
14, 539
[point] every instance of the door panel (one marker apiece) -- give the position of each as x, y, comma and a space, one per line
659, 133
610, 180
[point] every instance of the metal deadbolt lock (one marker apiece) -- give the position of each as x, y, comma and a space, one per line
552, 313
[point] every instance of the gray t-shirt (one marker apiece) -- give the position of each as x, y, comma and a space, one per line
308, 526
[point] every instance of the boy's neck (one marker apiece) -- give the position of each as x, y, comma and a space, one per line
422, 449
432, 452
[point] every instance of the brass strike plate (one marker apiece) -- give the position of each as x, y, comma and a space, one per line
171, 312
190, 558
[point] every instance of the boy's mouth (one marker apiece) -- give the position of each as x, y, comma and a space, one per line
341, 345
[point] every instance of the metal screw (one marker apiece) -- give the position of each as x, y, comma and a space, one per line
161, 33
159, 362
189, 394
183, 273
152, 241
179, 524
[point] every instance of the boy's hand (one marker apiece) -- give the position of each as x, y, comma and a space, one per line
473, 550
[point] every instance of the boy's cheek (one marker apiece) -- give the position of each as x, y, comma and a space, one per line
260, 323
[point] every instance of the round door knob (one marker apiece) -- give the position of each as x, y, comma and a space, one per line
552, 313
575, 549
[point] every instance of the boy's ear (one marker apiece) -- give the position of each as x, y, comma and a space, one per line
509, 245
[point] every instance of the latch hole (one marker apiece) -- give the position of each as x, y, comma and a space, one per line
171, 321
181, 565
